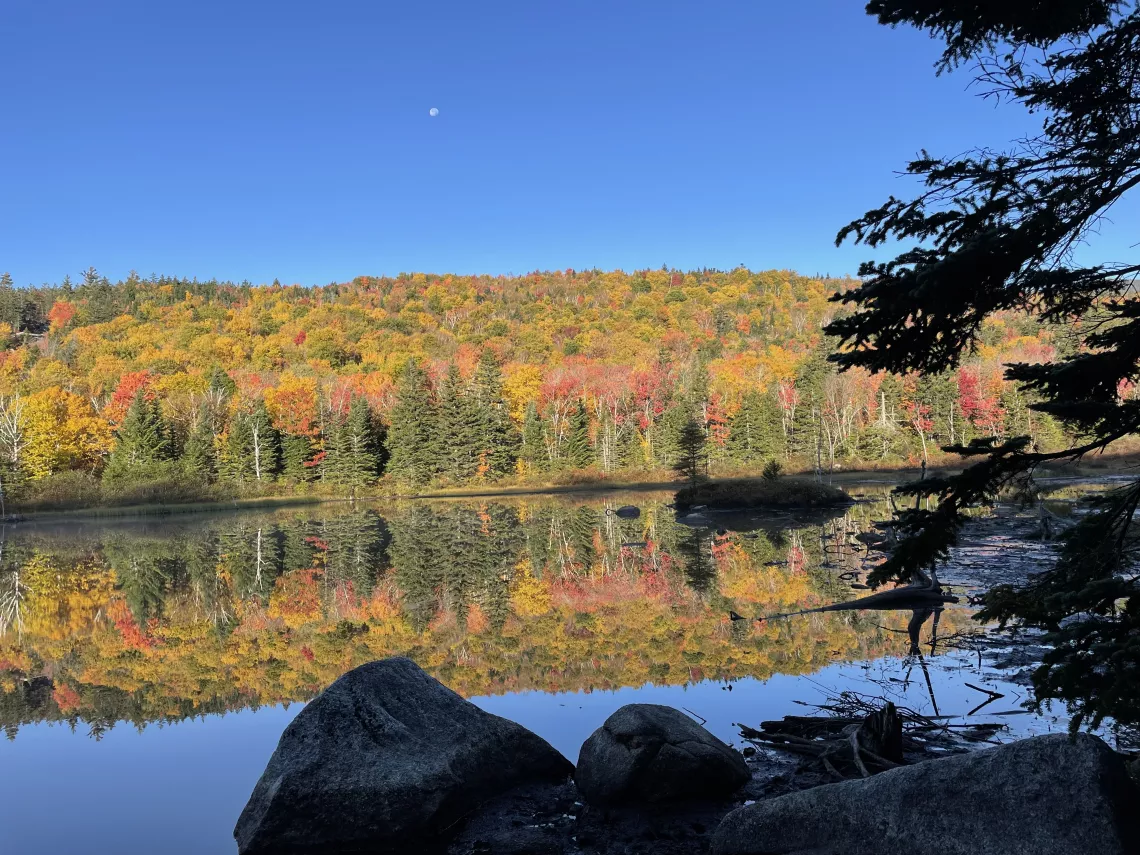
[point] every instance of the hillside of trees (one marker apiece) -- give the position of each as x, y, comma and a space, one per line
165, 389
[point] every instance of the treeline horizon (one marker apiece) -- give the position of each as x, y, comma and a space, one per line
165, 389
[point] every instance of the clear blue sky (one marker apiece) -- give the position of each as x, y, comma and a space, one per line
254, 140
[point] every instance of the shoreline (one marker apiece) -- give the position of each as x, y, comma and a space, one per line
1124, 467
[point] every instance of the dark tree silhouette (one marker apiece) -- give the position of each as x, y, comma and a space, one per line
691, 452
997, 231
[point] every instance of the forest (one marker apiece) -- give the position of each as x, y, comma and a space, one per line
164, 390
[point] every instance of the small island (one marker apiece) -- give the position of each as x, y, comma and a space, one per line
738, 494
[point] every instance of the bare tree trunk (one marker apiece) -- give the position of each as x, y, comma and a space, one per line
922, 436
257, 451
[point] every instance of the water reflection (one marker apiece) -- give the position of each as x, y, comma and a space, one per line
159, 621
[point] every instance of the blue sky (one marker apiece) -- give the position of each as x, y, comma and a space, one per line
291, 140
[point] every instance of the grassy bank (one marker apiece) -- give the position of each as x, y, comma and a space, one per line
81, 494
158, 510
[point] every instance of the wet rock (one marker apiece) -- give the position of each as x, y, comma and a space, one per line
386, 759
1041, 795
532, 820
651, 753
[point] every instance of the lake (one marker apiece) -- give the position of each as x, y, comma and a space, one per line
148, 667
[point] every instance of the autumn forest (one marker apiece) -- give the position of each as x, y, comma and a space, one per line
165, 390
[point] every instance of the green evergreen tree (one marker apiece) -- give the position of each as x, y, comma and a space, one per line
360, 440
1011, 219
264, 445
630, 450
755, 432
235, 463
11, 303
143, 438
533, 449
296, 457
501, 440
810, 380
691, 452
461, 427
198, 456
579, 451
413, 433
670, 430
333, 459
99, 297
221, 382
697, 393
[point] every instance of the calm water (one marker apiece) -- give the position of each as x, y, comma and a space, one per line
148, 668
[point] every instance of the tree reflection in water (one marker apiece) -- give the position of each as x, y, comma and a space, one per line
156, 621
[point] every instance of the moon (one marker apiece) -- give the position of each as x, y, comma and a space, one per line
434, 111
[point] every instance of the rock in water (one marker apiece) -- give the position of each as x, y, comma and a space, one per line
1034, 797
651, 753
385, 760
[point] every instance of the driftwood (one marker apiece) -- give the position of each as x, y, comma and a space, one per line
861, 738
862, 746
923, 595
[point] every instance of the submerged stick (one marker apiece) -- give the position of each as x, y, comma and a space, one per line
910, 598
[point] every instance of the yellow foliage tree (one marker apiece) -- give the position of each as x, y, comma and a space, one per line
521, 385
63, 432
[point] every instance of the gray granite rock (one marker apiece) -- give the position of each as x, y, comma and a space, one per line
387, 759
1034, 797
651, 753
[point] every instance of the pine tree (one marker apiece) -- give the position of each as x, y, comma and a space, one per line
630, 449
413, 435
1011, 220
697, 394
235, 463
755, 431
264, 445
359, 446
691, 452
335, 449
579, 452
810, 381
143, 438
533, 449
221, 382
198, 456
501, 441
670, 430
296, 454
461, 427
99, 296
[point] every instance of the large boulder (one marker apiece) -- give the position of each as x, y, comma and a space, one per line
386, 759
651, 753
1034, 797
